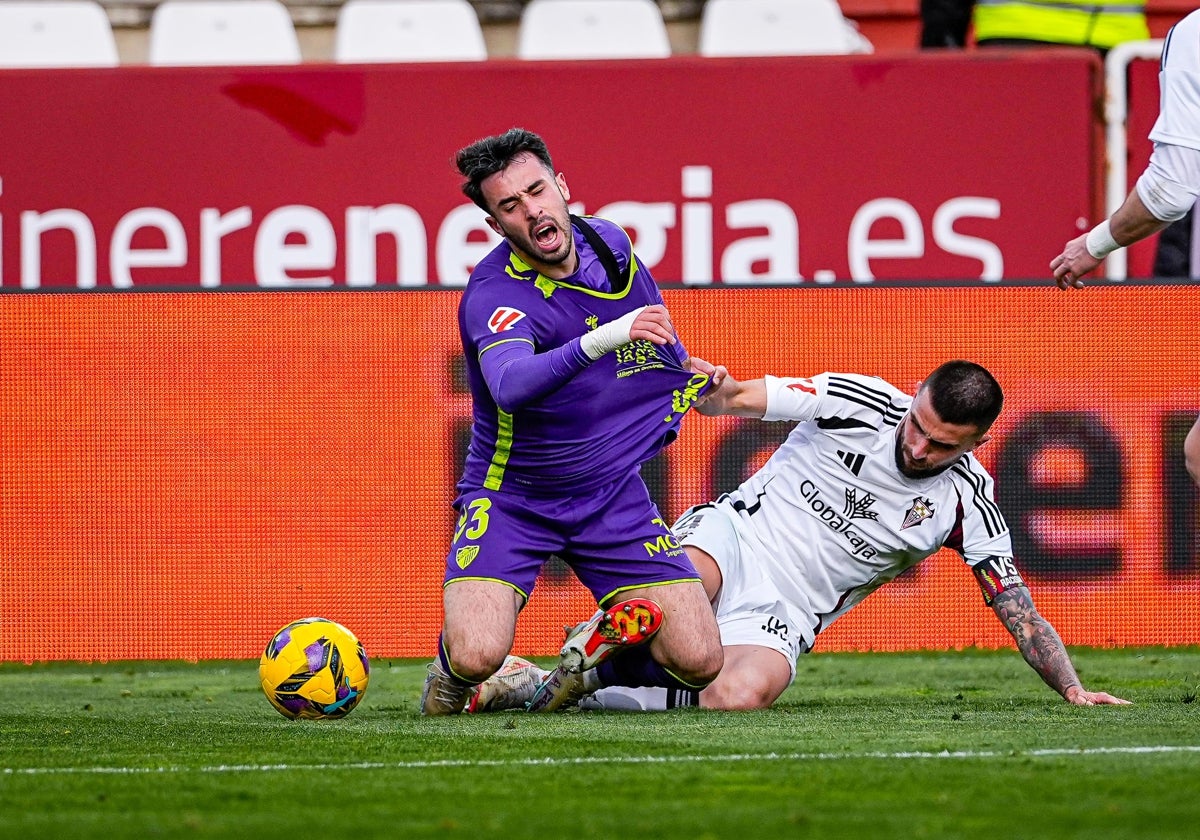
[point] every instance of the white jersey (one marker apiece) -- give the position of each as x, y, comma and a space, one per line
1178, 121
830, 518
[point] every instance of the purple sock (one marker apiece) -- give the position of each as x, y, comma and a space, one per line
445, 662
636, 667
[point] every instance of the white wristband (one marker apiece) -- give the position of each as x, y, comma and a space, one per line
608, 337
1100, 242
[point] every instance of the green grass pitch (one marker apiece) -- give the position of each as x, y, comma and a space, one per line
956, 744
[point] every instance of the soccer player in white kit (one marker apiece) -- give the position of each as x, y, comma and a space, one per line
1168, 187
869, 483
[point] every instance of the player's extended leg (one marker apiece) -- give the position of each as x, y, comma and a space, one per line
480, 623
753, 677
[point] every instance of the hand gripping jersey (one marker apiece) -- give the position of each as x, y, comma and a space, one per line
598, 421
831, 516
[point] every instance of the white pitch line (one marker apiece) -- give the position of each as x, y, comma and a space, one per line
631, 759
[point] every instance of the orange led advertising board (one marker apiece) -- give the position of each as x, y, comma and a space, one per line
183, 473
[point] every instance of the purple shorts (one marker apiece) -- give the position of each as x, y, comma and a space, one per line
614, 539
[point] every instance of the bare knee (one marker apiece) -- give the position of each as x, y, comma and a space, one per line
696, 664
481, 619
736, 696
689, 643
475, 652
475, 663
706, 669
753, 678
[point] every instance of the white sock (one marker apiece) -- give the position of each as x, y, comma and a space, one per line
623, 699
644, 699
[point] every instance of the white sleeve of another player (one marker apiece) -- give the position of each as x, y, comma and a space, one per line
793, 398
1171, 182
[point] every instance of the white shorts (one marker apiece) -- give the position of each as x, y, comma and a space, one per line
750, 609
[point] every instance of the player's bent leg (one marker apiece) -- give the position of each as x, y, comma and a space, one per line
480, 624
753, 677
688, 645
479, 627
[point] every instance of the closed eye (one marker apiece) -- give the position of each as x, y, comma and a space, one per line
935, 444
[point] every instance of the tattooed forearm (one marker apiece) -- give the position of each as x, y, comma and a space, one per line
1036, 639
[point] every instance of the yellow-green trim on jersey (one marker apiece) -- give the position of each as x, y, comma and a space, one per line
504, 441
504, 431
500, 341
611, 596
524, 595
518, 269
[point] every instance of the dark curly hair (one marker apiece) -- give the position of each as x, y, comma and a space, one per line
490, 155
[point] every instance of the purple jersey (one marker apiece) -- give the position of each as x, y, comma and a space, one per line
583, 424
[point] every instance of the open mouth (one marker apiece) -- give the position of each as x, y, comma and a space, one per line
546, 235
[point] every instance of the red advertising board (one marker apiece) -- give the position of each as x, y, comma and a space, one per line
907, 166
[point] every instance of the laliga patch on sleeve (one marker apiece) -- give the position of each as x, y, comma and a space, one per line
995, 575
503, 318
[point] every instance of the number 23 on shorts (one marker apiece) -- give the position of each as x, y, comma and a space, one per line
474, 520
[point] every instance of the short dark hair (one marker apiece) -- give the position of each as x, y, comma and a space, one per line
965, 394
490, 155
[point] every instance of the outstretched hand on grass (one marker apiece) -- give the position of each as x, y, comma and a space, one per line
1078, 696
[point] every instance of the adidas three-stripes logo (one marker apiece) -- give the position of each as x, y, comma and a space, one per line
853, 462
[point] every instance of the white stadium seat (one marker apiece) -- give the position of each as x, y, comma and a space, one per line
213, 32
564, 29
408, 30
778, 27
56, 33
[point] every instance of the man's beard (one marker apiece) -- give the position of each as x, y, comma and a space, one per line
916, 472
526, 242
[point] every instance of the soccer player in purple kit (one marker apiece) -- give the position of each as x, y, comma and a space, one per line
577, 378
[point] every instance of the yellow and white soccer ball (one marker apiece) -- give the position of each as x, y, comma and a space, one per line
314, 669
